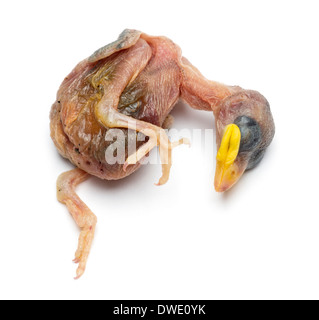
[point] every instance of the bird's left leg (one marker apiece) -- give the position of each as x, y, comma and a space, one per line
82, 215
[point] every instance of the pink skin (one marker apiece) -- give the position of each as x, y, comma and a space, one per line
133, 83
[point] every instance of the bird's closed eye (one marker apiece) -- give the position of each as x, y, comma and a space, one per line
250, 133
255, 159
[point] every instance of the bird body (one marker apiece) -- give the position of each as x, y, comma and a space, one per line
131, 86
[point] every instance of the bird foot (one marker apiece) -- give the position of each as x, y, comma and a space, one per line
82, 215
157, 137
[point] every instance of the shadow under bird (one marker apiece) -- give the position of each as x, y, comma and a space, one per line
133, 84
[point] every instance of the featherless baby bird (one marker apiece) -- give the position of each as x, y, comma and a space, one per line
132, 85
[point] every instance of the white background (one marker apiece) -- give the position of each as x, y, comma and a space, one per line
181, 240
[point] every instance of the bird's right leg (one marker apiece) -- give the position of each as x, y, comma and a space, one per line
157, 137
132, 63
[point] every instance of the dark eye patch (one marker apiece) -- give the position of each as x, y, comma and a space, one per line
250, 133
255, 158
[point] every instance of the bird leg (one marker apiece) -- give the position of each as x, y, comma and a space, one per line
82, 215
136, 58
111, 118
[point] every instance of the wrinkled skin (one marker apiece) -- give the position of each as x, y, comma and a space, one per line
138, 77
150, 97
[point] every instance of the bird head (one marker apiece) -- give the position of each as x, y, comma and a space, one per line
245, 128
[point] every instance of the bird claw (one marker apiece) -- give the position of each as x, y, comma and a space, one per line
161, 140
82, 253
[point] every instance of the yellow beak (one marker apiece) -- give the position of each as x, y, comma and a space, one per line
227, 170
